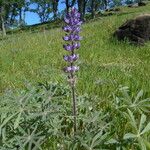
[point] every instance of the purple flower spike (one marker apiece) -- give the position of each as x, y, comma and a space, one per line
72, 29
71, 58
71, 69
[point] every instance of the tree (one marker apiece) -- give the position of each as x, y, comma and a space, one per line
69, 4
2, 22
93, 6
9, 9
21, 7
4, 13
43, 9
82, 7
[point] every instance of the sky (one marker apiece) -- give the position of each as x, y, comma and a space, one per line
32, 18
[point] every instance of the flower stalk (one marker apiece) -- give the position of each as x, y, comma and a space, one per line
72, 39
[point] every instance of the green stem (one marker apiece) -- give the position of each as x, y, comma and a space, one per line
73, 98
74, 109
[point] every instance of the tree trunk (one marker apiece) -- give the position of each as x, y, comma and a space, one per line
81, 8
55, 8
20, 16
93, 8
2, 22
68, 5
73, 2
3, 26
84, 8
105, 3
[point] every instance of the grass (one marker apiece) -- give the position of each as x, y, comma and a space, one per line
104, 62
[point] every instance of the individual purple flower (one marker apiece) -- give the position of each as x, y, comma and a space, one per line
67, 29
71, 58
71, 69
76, 45
66, 38
72, 37
77, 30
77, 15
71, 47
68, 47
77, 37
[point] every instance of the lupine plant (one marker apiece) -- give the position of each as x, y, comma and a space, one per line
72, 38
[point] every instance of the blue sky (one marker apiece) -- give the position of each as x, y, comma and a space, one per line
32, 18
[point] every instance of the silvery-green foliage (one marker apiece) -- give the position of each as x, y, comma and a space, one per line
136, 103
27, 118
139, 132
41, 118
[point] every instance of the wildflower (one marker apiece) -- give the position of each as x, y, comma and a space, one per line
72, 38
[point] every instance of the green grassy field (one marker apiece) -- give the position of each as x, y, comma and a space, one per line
104, 63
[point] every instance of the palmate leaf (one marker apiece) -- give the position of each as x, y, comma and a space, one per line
6, 120
138, 131
30, 139
141, 129
134, 103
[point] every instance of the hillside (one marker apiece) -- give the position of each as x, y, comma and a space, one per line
104, 62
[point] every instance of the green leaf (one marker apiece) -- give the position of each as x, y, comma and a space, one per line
147, 143
112, 141
17, 121
139, 95
96, 137
132, 119
129, 136
7, 120
146, 129
142, 121
142, 144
